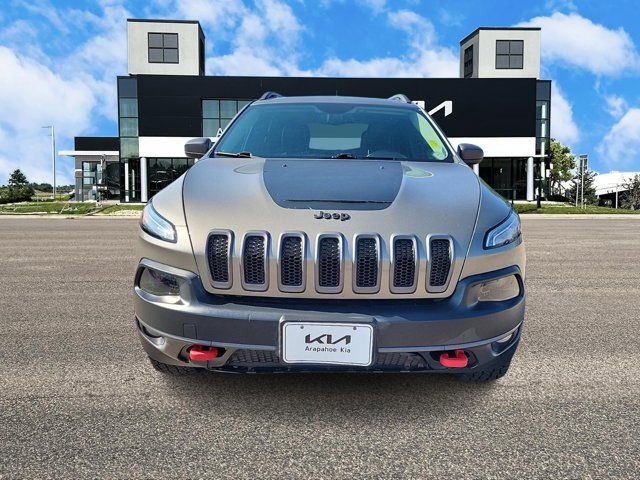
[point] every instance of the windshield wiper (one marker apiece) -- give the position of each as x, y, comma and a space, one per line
234, 154
344, 155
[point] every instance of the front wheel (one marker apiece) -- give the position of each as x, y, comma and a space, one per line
174, 370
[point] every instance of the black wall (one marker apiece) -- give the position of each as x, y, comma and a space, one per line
171, 105
110, 144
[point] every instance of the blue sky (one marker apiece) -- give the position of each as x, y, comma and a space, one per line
59, 60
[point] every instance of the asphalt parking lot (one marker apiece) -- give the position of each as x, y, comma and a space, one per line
79, 399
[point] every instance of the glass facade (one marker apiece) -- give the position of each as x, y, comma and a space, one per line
99, 181
128, 132
507, 176
218, 112
163, 171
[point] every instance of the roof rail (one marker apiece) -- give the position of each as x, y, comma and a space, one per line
400, 97
269, 95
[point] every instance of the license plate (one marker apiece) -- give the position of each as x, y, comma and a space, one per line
327, 343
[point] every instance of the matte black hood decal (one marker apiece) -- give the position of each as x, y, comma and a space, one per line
333, 184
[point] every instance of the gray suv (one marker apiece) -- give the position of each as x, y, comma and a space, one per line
330, 234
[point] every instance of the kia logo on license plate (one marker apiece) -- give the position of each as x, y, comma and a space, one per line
328, 339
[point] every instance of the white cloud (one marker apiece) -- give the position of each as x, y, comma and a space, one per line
424, 58
33, 96
563, 127
620, 148
576, 41
616, 105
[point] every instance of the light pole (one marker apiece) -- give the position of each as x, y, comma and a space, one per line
53, 155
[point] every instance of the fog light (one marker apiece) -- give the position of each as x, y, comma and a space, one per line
498, 290
158, 283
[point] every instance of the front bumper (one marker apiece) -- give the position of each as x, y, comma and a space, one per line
408, 334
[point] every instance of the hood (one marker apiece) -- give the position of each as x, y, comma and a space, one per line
367, 196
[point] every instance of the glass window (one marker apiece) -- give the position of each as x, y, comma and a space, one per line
502, 47
155, 40
502, 61
210, 127
128, 127
324, 130
127, 87
218, 113
163, 47
156, 55
210, 109
128, 107
509, 54
128, 147
228, 108
542, 109
468, 62
170, 55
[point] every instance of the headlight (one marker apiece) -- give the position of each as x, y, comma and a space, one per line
505, 233
158, 283
157, 226
498, 290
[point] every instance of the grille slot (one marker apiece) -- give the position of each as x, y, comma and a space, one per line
404, 265
367, 264
440, 258
254, 264
329, 264
218, 256
291, 270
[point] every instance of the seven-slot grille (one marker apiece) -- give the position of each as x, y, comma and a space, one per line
404, 256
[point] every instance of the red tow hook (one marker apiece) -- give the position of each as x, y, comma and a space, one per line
460, 359
203, 353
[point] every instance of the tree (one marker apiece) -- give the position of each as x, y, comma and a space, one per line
631, 198
18, 189
17, 179
563, 162
590, 197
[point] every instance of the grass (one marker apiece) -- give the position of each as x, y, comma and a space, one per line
530, 208
65, 208
119, 208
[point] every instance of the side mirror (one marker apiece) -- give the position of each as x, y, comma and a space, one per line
197, 147
470, 154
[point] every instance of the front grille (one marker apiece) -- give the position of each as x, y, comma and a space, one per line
366, 263
375, 263
253, 260
404, 264
292, 263
329, 264
440, 262
218, 258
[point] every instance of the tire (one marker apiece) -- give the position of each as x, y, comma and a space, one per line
174, 370
490, 373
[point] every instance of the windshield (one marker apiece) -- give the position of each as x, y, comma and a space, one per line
333, 130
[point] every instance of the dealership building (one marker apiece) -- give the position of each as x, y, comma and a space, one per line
499, 102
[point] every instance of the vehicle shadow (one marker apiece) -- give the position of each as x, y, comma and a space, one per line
338, 394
